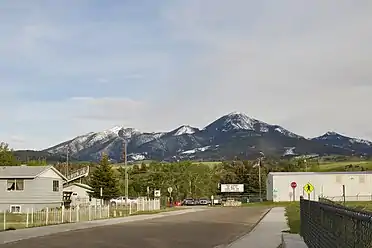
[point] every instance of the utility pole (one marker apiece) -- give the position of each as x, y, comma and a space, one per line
67, 158
259, 173
259, 177
126, 173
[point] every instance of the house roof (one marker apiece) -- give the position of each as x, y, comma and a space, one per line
80, 185
84, 186
26, 171
321, 173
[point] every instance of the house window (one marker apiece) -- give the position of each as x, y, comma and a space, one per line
15, 209
15, 184
55, 185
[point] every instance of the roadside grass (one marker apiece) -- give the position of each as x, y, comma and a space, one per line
266, 204
292, 213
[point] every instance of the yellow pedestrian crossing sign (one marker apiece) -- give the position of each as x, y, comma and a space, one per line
309, 188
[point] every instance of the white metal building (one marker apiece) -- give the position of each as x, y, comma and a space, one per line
80, 195
358, 185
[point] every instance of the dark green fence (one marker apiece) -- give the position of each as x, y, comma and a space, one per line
328, 225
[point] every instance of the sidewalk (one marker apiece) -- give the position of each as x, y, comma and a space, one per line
267, 234
16, 235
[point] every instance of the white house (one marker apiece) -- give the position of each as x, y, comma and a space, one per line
80, 195
30, 187
358, 185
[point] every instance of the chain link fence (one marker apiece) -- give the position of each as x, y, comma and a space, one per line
326, 224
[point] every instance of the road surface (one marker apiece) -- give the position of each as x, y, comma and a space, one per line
215, 227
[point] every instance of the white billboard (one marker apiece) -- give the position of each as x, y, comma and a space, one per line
232, 188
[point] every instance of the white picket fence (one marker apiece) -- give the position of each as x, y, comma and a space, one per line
55, 216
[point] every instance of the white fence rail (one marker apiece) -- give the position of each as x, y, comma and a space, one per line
55, 216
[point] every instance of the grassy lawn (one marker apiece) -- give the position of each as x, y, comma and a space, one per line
292, 213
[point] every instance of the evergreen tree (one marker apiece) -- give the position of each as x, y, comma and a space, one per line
7, 157
103, 177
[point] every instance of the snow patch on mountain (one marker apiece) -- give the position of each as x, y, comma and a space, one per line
115, 129
290, 151
201, 149
185, 129
286, 132
137, 156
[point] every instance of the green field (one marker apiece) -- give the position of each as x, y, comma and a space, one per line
340, 166
322, 167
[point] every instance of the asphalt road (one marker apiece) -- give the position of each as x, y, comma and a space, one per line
204, 229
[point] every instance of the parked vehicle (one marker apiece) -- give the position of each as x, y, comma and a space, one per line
122, 201
188, 202
204, 202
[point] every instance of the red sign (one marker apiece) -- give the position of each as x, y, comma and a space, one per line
293, 185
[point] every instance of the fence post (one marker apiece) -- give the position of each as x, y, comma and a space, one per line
108, 211
95, 211
63, 214
32, 216
4, 220
100, 211
28, 210
70, 214
130, 208
89, 213
47, 216
77, 213
301, 216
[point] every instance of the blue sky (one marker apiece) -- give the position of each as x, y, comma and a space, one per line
71, 67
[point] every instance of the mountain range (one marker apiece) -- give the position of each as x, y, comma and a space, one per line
232, 135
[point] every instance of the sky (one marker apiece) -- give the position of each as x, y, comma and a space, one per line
76, 66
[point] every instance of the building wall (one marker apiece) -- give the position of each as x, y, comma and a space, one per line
358, 186
80, 196
269, 188
38, 193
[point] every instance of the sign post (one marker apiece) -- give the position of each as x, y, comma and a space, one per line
294, 186
157, 193
344, 194
308, 189
170, 190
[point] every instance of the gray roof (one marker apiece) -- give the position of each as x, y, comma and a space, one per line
320, 173
24, 171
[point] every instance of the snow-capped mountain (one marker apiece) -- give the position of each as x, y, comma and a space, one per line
338, 140
234, 134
